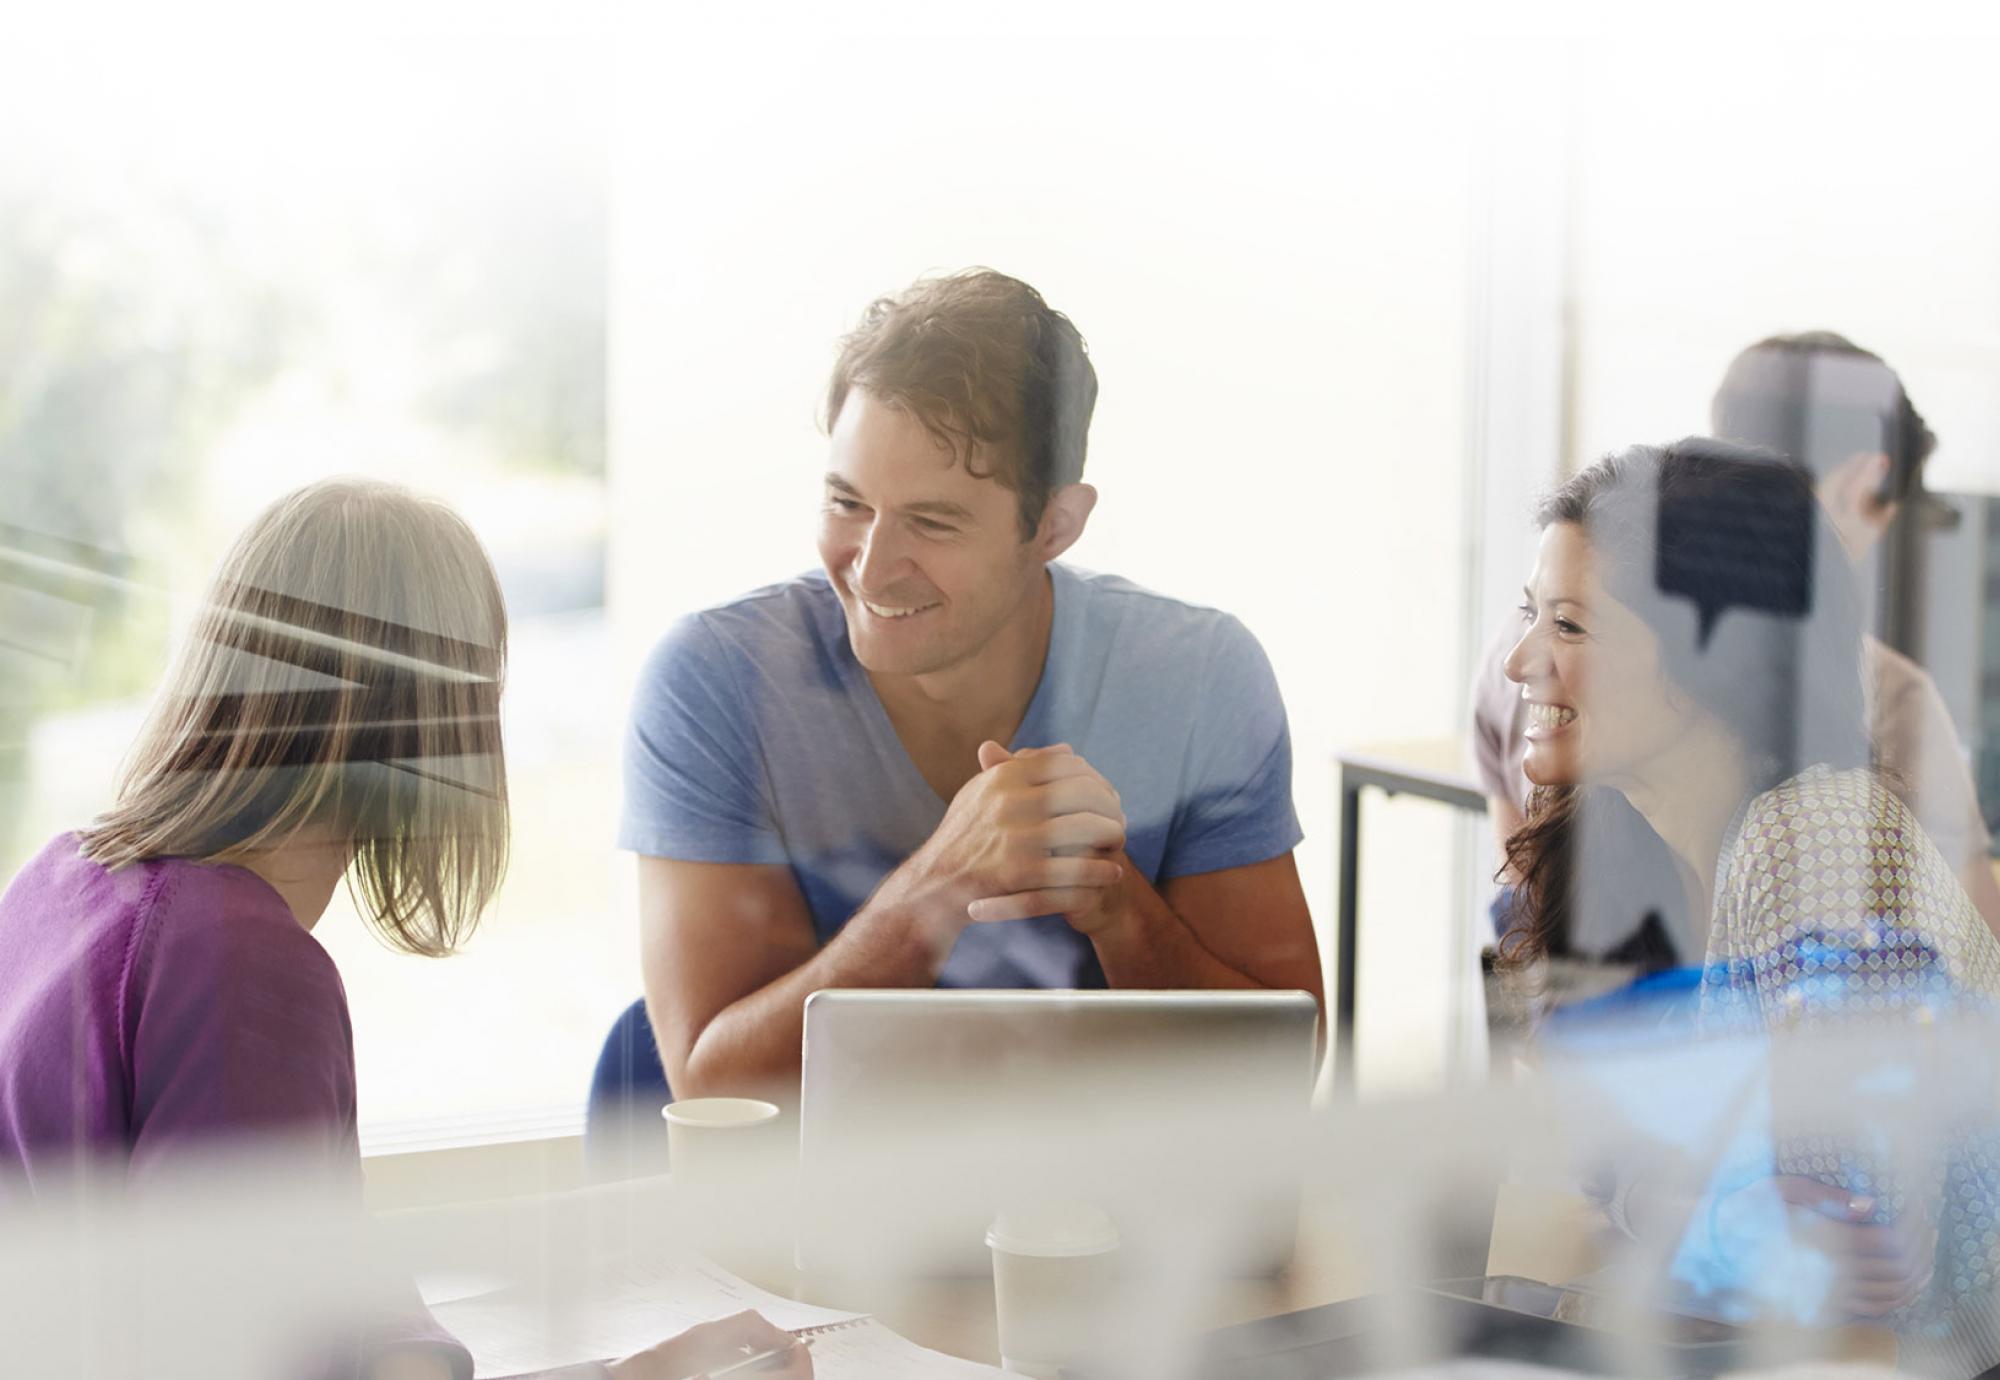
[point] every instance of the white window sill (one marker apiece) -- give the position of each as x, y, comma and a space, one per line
465, 1130
439, 1162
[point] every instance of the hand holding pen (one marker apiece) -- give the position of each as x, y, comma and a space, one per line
771, 1361
741, 1347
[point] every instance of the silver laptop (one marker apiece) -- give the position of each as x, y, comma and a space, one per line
927, 1113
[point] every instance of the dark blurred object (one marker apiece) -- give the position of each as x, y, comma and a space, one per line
623, 1134
1501, 1318
1952, 589
1747, 545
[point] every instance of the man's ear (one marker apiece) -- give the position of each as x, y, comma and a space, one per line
1849, 491
1852, 497
1874, 476
1063, 519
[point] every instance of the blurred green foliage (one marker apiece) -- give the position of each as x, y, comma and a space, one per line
138, 324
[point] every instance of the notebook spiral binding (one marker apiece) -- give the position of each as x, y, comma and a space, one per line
802, 1333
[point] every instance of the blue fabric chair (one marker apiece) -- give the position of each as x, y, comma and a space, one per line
623, 1135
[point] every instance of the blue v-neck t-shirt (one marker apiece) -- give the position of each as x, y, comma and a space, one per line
756, 737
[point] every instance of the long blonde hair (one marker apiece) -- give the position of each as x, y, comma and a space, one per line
343, 674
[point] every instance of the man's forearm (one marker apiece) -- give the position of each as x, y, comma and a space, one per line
1146, 944
751, 1047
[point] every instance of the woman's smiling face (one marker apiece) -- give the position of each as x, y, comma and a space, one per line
1599, 705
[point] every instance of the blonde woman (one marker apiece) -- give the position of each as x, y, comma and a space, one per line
334, 714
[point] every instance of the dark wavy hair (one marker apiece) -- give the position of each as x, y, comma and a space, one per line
1724, 553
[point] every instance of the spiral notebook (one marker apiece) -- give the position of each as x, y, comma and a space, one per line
862, 1346
646, 1299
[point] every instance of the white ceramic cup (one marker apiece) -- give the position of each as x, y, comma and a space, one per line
714, 1140
1054, 1277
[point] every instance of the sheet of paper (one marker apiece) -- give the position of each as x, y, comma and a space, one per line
872, 1352
625, 1308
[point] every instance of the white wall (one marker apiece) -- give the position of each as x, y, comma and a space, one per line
1727, 194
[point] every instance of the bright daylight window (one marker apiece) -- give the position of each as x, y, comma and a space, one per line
220, 280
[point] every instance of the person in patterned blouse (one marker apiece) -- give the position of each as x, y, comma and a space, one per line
1689, 656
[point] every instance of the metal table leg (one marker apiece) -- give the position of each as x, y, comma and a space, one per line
1344, 942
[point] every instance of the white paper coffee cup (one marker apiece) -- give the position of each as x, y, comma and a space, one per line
1053, 1283
716, 1140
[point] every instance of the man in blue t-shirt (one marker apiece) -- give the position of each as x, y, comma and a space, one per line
946, 759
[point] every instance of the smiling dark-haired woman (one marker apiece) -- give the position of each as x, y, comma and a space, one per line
334, 714
1690, 655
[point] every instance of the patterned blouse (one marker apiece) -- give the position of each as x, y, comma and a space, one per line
1832, 909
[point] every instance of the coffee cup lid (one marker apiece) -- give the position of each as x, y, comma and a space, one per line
1053, 1231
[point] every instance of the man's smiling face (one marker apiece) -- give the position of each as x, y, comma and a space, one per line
928, 560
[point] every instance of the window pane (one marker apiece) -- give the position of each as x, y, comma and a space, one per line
396, 268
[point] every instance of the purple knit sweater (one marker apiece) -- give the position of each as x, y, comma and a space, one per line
167, 1006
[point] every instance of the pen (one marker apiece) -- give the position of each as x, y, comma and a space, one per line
752, 1362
